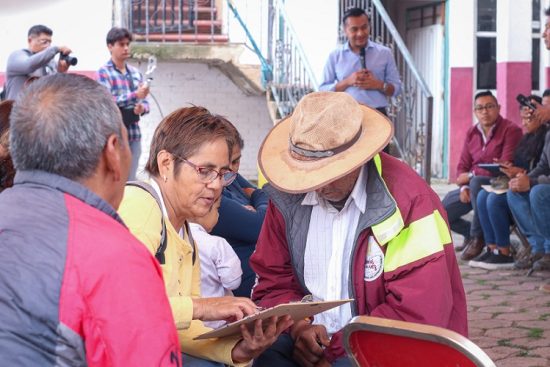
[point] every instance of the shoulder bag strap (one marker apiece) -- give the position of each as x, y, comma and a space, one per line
159, 255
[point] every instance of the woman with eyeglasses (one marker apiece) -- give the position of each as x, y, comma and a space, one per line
189, 166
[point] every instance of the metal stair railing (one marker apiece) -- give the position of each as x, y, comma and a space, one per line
411, 111
292, 76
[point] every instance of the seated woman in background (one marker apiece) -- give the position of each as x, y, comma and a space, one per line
7, 171
189, 166
242, 213
493, 210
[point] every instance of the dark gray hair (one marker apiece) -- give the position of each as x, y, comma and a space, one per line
60, 124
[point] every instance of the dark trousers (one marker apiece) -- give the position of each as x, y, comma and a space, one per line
280, 355
456, 209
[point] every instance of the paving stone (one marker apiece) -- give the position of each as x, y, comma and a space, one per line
523, 362
492, 324
501, 309
514, 316
483, 303
530, 343
509, 332
485, 342
479, 315
541, 352
504, 306
504, 283
474, 332
501, 352
539, 324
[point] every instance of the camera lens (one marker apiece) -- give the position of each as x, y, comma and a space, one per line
71, 60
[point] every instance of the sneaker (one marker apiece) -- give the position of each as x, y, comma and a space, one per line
497, 262
480, 258
543, 263
527, 262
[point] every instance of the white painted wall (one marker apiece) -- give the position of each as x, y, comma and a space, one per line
316, 23
461, 20
181, 84
254, 13
79, 25
514, 31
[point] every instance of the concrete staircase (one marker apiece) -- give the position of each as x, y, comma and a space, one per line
224, 56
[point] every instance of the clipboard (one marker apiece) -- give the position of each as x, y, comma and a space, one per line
494, 168
297, 310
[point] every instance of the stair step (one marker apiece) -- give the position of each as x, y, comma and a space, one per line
197, 38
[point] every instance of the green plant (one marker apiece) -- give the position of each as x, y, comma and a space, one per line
535, 333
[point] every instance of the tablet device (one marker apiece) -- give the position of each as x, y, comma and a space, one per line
297, 310
494, 168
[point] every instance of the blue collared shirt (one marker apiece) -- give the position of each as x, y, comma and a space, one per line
378, 59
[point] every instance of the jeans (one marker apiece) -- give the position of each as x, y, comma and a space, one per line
280, 355
494, 217
534, 227
456, 209
190, 361
135, 148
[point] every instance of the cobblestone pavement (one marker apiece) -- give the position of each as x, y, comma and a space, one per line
508, 315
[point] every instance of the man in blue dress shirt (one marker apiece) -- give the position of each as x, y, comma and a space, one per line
364, 69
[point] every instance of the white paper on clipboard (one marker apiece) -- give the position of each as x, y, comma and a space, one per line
297, 310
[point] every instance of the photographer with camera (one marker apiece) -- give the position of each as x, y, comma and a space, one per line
127, 87
35, 61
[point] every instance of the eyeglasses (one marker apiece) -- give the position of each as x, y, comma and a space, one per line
44, 41
207, 174
487, 107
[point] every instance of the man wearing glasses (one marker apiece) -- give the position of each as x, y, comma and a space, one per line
35, 61
493, 138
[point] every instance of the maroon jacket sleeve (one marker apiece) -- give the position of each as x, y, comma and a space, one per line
276, 282
466, 160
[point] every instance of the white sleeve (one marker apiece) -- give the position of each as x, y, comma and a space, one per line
228, 263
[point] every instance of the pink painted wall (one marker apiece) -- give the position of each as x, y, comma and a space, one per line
461, 97
546, 83
512, 78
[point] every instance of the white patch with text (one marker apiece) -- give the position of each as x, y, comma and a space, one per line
374, 264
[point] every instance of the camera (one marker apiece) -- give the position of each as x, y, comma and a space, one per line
524, 101
71, 60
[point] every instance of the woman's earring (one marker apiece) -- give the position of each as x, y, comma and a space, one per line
164, 178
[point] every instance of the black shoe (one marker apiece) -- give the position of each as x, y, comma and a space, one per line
497, 261
474, 263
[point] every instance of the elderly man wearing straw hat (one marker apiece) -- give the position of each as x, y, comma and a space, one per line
346, 220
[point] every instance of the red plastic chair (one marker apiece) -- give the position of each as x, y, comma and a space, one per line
376, 342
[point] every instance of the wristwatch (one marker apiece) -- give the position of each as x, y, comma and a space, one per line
471, 174
384, 87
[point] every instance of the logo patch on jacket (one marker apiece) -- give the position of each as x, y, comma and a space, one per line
374, 264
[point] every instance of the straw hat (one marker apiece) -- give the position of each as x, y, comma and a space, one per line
327, 136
